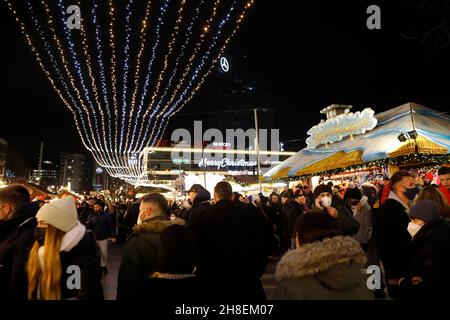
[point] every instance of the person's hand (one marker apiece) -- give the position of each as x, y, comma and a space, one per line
393, 282
332, 212
416, 280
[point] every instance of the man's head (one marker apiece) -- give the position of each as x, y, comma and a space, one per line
223, 191
323, 196
354, 196
299, 197
297, 187
236, 196
193, 191
284, 197
274, 198
306, 189
91, 203
11, 198
152, 205
444, 176
98, 207
403, 183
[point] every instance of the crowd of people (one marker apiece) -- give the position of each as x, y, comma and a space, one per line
217, 246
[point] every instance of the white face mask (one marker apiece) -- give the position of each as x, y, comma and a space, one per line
413, 228
326, 202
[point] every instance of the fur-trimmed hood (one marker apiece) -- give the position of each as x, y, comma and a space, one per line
335, 262
156, 224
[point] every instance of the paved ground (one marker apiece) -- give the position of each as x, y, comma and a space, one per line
115, 253
110, 280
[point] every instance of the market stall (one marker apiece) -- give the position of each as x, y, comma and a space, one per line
408, 136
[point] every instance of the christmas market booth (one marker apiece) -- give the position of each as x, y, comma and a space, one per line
36, 192
410, 136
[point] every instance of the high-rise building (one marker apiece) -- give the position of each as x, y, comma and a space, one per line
46, 176
3, 149
232, 95
75, 169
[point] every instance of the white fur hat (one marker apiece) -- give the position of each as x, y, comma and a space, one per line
60, 213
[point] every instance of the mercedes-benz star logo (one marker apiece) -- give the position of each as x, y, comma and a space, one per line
224, 64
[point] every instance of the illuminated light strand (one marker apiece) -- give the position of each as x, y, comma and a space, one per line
128, 163
173, 37
52, 82
156, 44
77, 66
185, 101
190, 65
45, 70
143, 36
126, 66
185, 73
47, 48
94, 86
189, 33
103, 80
113, 66
197, 48
102, 72
64, 63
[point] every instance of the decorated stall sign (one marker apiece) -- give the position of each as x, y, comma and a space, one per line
334, 129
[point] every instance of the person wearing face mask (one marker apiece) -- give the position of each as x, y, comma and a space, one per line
430, 254
17, 223
391, 229
343, 218
63, 243
363, 214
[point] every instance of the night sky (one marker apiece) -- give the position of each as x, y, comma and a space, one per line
315, 54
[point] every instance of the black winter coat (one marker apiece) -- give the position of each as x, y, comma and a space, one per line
394, 242
231, 253
16, 239
199, 207
290, 213
140, 257
430, 260
101, 225
85, 255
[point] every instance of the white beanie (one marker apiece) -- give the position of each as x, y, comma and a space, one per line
60, 213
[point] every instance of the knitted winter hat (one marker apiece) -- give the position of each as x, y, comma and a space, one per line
425, 210
354, 194
60, 213
321, 188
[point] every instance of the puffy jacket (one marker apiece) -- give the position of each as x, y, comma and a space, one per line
140, 257
323, 270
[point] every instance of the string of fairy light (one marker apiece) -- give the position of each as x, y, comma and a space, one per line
184, 101
122, 83
177, 62
187, 69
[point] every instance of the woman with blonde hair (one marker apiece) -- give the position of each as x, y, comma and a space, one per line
434, 194
64, 261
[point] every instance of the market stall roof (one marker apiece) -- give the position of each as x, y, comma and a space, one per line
432, 127
34, 190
